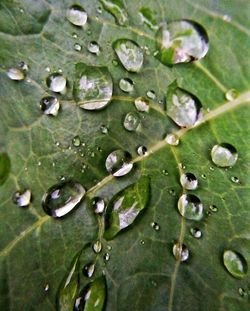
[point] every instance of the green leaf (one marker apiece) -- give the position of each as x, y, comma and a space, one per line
141, 270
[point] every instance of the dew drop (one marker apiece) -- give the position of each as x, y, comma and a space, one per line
74, 35
213, 208
147, 18
88, 270
196, 233
22, 198
151, 94
142, 150
62, 198
224, 155
98, 205
155, 226
189, 181
142, 104
76, 15
56, 82
15, 74
131, 121
231, 94
106, 257
46, 288
104, 129
77, 47
190, 207
117, 163
50, 105
181, 41
126, 85
165, 172
235, 180
117, 9
142, 242
242, 292
94, 48
172, 139
97, 247
180, 252
23, 66
235, 263
76, 141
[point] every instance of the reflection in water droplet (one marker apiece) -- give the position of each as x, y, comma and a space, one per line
181, 41
196, 233
76, 141
93, 47
4, 167
131, 121
50, 105
235, 180
77, 47
147, 18
126, 85
76, 15
93, 87
180, 252
190, 207
62, 198
22, 198
97, 247
155, 226
88, 270
231, 94
15, 74
117, 163
189, 181
98, 205
142, 150
172, 139
117, 9
142, 104
235, 263
151, 94
56, 82
129, 54
213, 208
224, 155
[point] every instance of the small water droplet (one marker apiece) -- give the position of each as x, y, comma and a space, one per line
77, 47
242, 292
15, 74
142, 242
47, 69
142, 104
180, 252
74, 35
227, 18
142, 150
155, 226
106, 257
131, 121
50, 105
94, 48
181, 41
117, 163
172, 139
97, 247
76, 15
23, 66
151, 94
46, 288
126, 85
147, 18
117, 9
224, 155
189, 181
172, 192
88, 270
196, 233
76, 141
235, 180
104, 129
99, 10
165, 172
22, 198
98, 205
235, 263
56, 82
231, 94
62, 198
213, 208
190, 207
203, 176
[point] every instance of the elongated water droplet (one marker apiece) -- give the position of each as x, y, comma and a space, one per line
196, 233
131, 121
106, 257
126, 85
4, 167
77, 47
15, 74
62, 198
76, 15
224, 155
180, 252
117, 163
235, 263
88, 270
183, 107
147, 18
93, 47
213, 208
117, 9
189, 181
142, 150
50, 105
56, 82
172, 139
22, 198
235, 180
129, 54
181, 41
231, 94
151, 94
93, 87
190, 207
142, 104
97, 247
98, 205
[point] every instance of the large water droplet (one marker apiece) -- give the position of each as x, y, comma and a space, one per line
147, 18
180, 252
117, 163
50, 105
62, 198
76, 15
15, 74
235, 263
172, 139
224, 155
93, 86
131, 121
129, 54
182, 107
93, 47
56, 82
88, 270
126, 85
181, 41
142, 104
189, 181
22, 198
190, 207
4, 167
98, 204
117, 9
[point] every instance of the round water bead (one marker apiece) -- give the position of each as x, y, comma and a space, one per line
180, 252
189, 181
117, 163
224, 155
131, 121
190, 207
142, 104
93, 47
56, 82
50, 105
76, 141
22, 198
231, 94
99, 205
76, 15
142, 150
172, 139
126, 85
88, 270
15, 74
196, 233
235, 263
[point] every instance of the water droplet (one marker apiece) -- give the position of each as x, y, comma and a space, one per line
151, 94
97, 247
76, 15
76, 141
74, 35
126, 85
142, 104
142, 150
231, 94
242, 292
235, 180
88, 270
227, 18
23, 66
56, 82
99, 10
180, 252
147, 18
117, 9
62, 198
189, 181
94, 48
181, 41
22, 198
106, 257
77, 47
172, 139
213, 208
117, 163
131, 121
196, 233
235, 263
47, 69
93, 87
99, 205
224, 155
155, 226
190, 207
4, 167
129, 54
50, 105
172, 191
183, 107
104, 129
203, 176
165, 172
46, 288
15, 74
142, 242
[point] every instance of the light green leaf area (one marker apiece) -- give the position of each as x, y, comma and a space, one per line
36, 250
